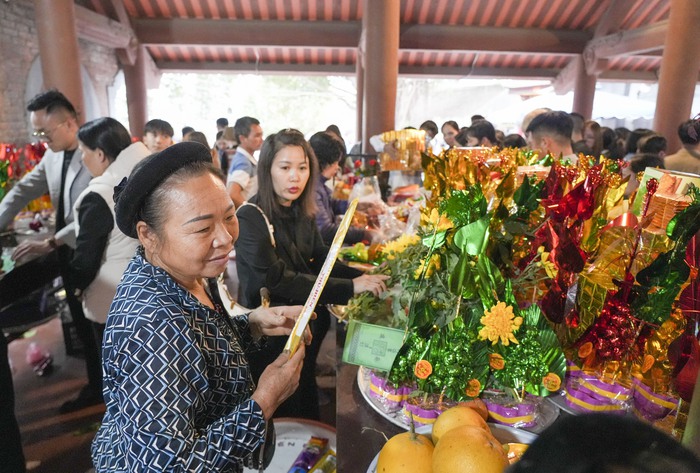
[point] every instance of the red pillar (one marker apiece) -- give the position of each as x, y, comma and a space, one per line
58, 49
584, 90
680, 63
381, 47
360, 83
360, 86
136, 95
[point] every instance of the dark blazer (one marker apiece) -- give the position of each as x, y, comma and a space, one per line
289, 268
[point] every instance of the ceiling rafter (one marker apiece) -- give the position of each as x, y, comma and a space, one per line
490, 38
347, 34
438, 37
614, 15
248, 32
101, 30
642, 40
566, 78
609, 42
126, 55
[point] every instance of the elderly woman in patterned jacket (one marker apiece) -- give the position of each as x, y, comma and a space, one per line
178, 389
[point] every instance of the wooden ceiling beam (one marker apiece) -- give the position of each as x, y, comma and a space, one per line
121, 12
638, 41
104, 31
647, 39
126, 56
483, 38
612, 18
266, 68
629, 76
247, 33
101, 30
566, 78
347, 34
481, 72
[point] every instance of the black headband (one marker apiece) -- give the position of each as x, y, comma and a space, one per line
131, 193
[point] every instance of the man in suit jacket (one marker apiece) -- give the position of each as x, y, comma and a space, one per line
62, 174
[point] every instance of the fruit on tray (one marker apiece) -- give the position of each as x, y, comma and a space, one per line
456, 417
407, 452
469, 449
462, 441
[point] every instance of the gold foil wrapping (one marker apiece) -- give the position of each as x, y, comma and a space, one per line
593, 289
404, 152
459, 168
654, 368
615, 251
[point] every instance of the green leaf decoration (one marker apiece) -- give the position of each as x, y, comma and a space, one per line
686, 223
464, 207
528, 362
454, 352
472, 238
489, 281
527, 197
459, 273
661, 281
434, 240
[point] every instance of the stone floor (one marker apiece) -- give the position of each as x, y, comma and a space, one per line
52, 442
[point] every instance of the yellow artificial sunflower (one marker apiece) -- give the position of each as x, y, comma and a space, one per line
433, 264
549, 267
499, 323
436, 221
394, 247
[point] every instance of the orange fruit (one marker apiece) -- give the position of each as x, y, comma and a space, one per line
406, 452
469, 449
479, 406
514, 451
457, 416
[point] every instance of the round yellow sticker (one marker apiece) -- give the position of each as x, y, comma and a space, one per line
423, 369
496, 361
585, 350
552, 382
473, 388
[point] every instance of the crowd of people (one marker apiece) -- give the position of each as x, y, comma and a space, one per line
145, 228
567, 135
586, 137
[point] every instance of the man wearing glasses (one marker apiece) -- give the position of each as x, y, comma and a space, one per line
62, 174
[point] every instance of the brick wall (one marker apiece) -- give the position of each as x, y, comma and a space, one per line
18, 49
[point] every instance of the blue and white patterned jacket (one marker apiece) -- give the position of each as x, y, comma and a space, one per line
176, 382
